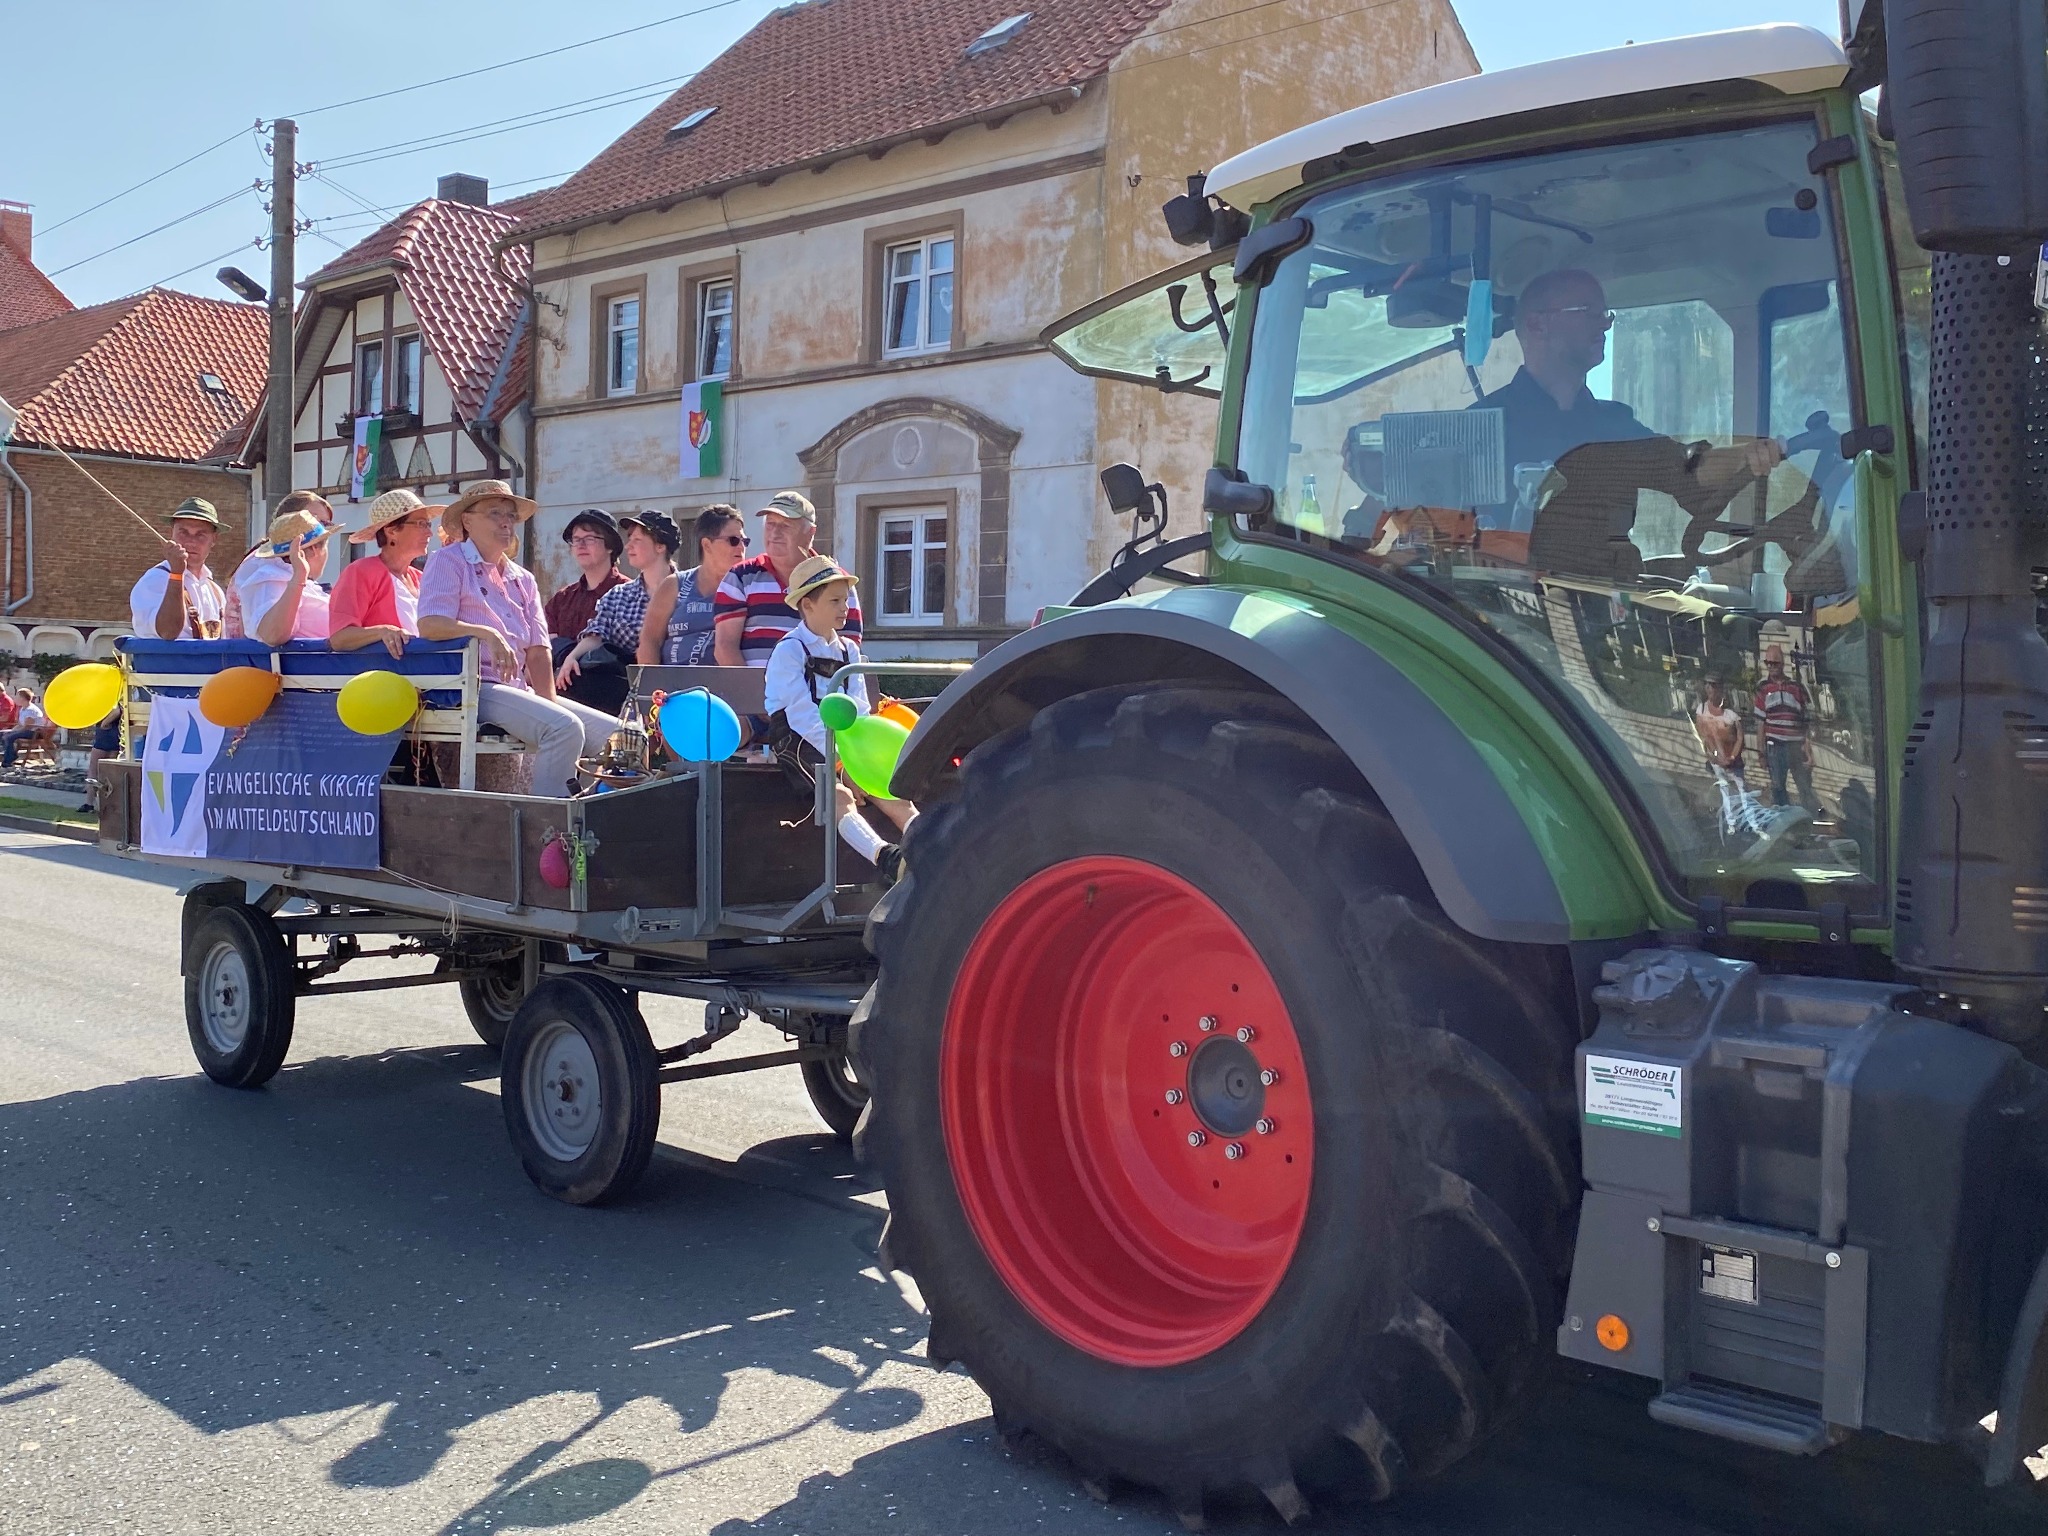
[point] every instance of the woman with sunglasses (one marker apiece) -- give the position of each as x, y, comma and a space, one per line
678, 627
377, 602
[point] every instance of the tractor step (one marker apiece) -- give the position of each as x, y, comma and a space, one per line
1737, 1413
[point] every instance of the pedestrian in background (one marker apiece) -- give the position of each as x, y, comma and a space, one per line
29, 721
1784, 726
178, 599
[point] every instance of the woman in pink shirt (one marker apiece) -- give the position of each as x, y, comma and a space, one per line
474, 589
377, 602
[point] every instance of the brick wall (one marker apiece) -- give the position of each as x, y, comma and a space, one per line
88, 551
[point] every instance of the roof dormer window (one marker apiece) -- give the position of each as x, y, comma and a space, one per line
998, 34
212, 384
690, 122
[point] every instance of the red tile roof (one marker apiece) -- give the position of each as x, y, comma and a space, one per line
467, 298
832, 76
26, 296
123, 377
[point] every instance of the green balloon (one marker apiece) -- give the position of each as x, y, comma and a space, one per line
869, 748
838, 711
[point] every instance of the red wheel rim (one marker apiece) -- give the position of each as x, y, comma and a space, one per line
1131, 1187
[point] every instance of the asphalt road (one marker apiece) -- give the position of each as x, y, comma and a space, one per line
337, 1305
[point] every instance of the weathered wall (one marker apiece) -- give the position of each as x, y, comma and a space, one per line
1210, 78
88, 551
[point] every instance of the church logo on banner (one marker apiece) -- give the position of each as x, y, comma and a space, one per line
297, 787
703, 429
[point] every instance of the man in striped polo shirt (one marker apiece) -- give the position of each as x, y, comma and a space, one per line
751, 613
1783, 714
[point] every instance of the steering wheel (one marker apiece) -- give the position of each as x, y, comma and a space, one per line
1797, 529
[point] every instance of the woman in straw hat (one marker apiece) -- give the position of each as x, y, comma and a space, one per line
377, 602
474, 589
276, 595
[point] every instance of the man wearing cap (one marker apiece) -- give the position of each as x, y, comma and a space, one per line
651, 542
276, 593
594, 544
474, 590
753, 614
377, 602
178, 599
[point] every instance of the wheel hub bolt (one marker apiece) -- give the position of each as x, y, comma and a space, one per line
1234, 1150
1178, 1048
1196, 1138
1269, 1077
1246, 1034
1174, 1095
1208, 1023
1266, 1126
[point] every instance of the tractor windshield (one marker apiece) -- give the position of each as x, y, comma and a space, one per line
1595, 399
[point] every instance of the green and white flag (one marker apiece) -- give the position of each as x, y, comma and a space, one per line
362, 483
703, 429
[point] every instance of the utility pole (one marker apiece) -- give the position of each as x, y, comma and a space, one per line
277, 459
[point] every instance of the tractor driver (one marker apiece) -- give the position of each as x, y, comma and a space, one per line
1602, 452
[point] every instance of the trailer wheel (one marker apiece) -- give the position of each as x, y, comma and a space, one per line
1220, 1156
581, 1089
836, 1093
491, 1000
240, 1004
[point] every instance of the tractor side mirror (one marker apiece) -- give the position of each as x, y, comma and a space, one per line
1967, 89
1124, 485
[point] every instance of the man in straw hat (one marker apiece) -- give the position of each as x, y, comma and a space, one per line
474, 589
276, 593
377, 601
178, 599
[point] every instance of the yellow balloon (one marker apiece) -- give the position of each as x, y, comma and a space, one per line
81, 696
377, 703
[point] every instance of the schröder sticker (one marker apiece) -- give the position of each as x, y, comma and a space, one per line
1635, 1095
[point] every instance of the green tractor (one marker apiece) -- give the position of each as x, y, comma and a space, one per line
1560, 865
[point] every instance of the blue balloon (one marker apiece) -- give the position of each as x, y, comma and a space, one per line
699, 727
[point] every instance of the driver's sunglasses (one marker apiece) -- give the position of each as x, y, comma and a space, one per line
1606, 315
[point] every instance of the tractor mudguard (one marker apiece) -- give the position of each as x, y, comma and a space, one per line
1482, 862
2023, 1398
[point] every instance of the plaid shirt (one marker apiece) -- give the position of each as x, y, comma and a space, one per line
618, 616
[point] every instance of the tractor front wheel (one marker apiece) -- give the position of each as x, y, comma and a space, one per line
1218, 1154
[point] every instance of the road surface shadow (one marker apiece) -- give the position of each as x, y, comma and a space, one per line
360, 1233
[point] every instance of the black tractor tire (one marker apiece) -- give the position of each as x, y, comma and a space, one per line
492, 1000
1419, 1304
581, 1090
240, 1003
837, 1093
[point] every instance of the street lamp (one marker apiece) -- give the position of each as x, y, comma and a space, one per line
242, 285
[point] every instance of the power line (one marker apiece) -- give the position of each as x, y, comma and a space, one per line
549, 53
487, 131
223, 256
147, 180
172, 224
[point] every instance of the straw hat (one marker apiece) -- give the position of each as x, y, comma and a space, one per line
389, 508
818, 571
483, 490
289, 528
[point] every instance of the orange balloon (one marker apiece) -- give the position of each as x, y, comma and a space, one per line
900, 712
237, 696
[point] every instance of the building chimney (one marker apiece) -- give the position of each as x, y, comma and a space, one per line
17, 226
458, 188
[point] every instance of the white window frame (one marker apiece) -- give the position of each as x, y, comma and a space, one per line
920, 283
409, 372
920, 546
618, 381
707, 290
369, 380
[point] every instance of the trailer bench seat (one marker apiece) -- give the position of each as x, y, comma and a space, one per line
444, 671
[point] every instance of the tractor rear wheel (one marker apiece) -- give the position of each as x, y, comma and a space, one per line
1219, 1155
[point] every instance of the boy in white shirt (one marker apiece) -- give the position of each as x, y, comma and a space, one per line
800, 671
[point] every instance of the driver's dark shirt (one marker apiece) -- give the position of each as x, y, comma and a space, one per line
1540, 431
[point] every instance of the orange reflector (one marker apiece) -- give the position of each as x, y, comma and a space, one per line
1612, 1333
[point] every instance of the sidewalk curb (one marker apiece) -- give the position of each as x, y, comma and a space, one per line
76, 833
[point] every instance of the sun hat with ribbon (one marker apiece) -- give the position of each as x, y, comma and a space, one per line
388, 509
810, 575
523, 507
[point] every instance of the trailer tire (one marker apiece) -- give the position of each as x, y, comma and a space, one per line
1121, 887
581, 1090
240, 1003
837, 1094
492, 1001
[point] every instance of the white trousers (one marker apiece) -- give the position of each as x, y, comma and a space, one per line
559, 730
